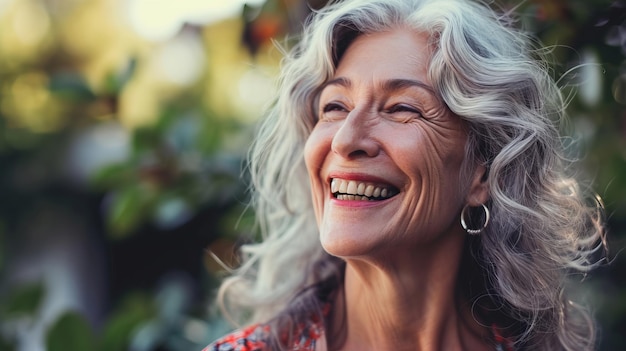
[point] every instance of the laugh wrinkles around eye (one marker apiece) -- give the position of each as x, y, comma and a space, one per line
403, 113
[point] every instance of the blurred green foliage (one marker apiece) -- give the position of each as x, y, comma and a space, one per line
71, 332
177, 178
24, 301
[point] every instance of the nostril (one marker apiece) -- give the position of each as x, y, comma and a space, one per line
358, 153
354, 146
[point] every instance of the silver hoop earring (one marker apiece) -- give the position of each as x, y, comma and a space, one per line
474, 231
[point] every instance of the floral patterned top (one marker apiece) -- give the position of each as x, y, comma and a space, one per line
252, 339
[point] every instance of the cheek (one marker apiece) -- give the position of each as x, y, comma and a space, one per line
443, 160
311, 154
432, 158
445, 148
316, 149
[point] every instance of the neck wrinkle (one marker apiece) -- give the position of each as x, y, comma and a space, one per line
404, 303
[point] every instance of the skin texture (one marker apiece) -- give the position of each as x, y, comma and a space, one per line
381, 122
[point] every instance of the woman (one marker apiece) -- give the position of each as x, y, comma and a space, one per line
412, 193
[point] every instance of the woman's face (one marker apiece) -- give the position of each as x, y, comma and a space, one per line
385, 156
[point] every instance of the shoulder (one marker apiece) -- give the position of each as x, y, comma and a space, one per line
251, 338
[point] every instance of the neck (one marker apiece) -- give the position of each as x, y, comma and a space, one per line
407, 303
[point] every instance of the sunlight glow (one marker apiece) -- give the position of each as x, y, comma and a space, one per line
181, 60
159, 20
30, 23
3, 4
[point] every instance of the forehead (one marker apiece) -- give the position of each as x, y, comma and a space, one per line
400, 53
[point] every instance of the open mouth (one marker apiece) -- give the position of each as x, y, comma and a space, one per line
360, 191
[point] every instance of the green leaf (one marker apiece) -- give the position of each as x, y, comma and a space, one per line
146, 139
121, 326
127, 212
71, 86
26, 300
71, 332
115, 82
112, 176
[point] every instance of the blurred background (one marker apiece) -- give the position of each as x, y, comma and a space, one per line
123, 127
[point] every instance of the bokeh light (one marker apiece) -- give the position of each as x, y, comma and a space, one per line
160, 20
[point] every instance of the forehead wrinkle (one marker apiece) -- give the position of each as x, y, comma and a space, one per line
392, 85
387, 86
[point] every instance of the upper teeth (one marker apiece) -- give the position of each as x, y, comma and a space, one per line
352, 187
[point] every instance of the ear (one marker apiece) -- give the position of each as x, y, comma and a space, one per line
478, 191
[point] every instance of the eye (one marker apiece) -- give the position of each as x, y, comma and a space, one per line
333, 106
404, 112
333, 111
403, 108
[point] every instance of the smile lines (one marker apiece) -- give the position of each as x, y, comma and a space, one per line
361, 191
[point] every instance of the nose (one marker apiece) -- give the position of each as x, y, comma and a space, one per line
354, 137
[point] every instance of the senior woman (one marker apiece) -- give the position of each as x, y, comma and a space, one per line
412, 192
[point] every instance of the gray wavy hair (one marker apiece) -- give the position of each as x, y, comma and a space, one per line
543, 227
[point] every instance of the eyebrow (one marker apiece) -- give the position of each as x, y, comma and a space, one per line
388, 85
343, 82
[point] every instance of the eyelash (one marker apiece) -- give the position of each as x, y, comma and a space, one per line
332, 111
333, 106
403, 108
398, 108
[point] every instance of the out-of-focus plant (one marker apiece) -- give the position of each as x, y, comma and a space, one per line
175, 166
67, 135
84, 121
20, 307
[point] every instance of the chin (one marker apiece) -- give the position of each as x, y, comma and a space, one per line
348, 243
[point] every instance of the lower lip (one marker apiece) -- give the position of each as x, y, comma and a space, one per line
357, 203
